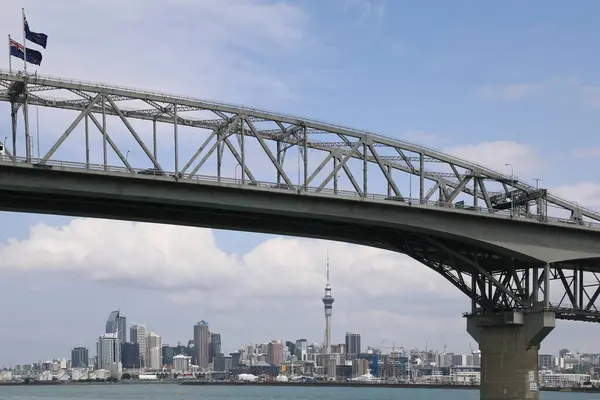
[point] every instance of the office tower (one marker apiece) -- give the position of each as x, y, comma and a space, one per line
154, 350
109, 350
352, 343
201, 343
275, 353
328, 303
301, 349
215, 346
117, 323
79, 357
137, 334
291, 346
130, 355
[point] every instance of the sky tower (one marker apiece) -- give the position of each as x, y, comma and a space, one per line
328, 303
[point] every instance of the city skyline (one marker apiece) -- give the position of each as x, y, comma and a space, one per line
461, 87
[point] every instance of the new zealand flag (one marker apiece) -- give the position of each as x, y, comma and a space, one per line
17, 50
37, 38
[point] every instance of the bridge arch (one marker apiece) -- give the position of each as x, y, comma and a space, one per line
445, 180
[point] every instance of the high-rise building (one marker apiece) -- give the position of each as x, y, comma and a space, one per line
301, 349
201, 343
109, 350
328, 303
137, 333
352, 344
275, 353
79, 357
130, 355
117, 323
154, 350
215, 346
291, 346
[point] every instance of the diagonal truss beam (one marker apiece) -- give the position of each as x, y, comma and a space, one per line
480, 270
134, 134
111, 143
338, 166
385, 171
73, 125
268, 152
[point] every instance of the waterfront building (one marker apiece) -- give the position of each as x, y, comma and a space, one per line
109, 350
215, 346
154, 351
275, 353
79, 357
201, 343
137, 333
181, 363
352, 344
130, 355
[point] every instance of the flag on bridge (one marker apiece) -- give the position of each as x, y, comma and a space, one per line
19, 51
40, 39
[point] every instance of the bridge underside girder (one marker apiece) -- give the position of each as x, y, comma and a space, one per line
495, 281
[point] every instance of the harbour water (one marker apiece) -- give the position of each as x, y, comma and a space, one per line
177, 392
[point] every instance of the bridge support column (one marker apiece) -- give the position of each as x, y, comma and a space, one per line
509, 345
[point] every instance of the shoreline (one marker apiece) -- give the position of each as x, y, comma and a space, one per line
290, 384
378, 385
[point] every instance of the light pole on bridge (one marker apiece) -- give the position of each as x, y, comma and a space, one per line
235, 172
512, 182
538, 203
127, 157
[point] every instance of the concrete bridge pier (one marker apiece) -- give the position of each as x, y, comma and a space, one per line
509, 343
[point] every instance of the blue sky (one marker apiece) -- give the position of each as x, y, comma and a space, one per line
516, 83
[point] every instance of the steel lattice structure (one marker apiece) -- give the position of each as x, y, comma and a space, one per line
328, 158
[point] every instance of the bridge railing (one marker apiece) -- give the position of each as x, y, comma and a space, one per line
248, 184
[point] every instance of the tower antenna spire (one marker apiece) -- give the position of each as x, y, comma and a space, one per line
327, 265
328, 305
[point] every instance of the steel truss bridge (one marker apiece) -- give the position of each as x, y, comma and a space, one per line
245, 148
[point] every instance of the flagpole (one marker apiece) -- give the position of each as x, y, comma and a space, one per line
24, 42
25, 100
9, 57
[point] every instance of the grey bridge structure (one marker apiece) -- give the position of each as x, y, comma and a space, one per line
523, 256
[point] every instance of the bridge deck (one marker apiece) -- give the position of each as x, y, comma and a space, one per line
299, 189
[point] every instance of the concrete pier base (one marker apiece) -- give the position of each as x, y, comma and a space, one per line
509, 345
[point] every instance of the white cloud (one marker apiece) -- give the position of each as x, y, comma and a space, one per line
176, 258
510, 93
206, 49
184, 265
495, 155
585, 193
